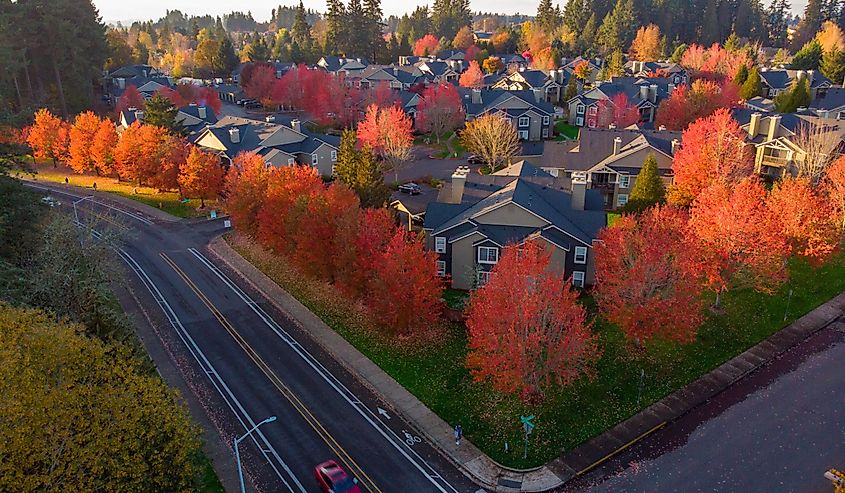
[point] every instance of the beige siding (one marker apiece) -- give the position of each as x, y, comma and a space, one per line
209, 141
558, 260
463, 262
510, 215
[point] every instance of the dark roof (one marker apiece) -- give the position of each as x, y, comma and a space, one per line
522, 169
594, 145
783, 78
254, 132
490, 98
831, 99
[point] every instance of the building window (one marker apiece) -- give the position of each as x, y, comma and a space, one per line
546, 120
509, 120
523, 134
624, 181
578, 278
291, 161
488, 255
440, 244
483, 278
621, 199
580, 255
593, 111
441, 268
580, 109
579, 121
524, 121
841, 115
334, 155
545, 133
314, 159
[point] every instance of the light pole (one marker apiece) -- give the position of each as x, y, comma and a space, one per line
238, 454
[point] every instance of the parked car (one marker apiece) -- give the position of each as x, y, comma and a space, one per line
51, 201
333, 479
411, 188
475, 159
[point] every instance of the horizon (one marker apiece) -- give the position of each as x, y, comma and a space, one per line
114, 11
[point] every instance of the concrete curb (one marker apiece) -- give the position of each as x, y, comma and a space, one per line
571, 464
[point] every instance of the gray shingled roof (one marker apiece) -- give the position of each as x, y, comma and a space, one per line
831, 99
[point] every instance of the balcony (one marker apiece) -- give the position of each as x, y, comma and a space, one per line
603, 185
775, 161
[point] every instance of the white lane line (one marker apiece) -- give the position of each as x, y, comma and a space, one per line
421, 464
225, 392
130, 214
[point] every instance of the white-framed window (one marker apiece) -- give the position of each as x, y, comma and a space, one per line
523, 134
624, 181
334, 170
593, 111
334, 155
509, 120
621, 199
440, 244
524, 121
545, 133
546, 120
579, 109
291, 161
579, 121
314, 159
441, 268
578, 278
580, 255
841, 115
488, 255
483, 278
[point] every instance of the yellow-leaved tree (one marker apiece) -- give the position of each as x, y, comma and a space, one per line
77, 414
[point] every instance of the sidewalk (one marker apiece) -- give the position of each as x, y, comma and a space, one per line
474, 463
105, 197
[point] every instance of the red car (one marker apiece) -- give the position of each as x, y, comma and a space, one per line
333, 479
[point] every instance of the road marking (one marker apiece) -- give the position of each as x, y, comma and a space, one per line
383, 413
219, 384
620, 449
277, 382
391, 436
137, 217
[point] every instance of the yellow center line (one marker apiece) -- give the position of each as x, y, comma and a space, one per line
283, 389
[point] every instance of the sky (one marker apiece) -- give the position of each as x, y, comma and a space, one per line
123, 10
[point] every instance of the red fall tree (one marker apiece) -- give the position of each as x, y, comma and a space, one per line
740, 243
473, 77
526, 329
404, 294
261, 84
440, 110
687, 104
806, 219
130, 98
833, 187
617, 111
426, 45
82, 136
647, 273
289, 190
713, 150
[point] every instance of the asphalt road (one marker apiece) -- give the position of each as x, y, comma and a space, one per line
247, 361
777, 430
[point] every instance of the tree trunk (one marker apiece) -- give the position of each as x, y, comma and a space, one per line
26, 73
18, 91
60, 88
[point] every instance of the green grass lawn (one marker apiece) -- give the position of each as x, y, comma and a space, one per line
437, 376
565, 131
169, 202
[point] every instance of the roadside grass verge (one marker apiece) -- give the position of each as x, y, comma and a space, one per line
169, 202
437, 376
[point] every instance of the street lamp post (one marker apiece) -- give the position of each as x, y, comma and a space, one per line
76, 213
238, 454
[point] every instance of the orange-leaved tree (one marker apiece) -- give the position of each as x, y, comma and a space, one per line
646, 46
473, 76
833, 187
426, 45
289, 189
713, 150
647, 273
82, 135
161, 155
102, 149
201, 175
739, 241
387, 131
44, 136
245, 188
526, 328
806, 219
404, 293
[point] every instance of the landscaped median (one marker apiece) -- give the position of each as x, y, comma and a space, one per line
624, 384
